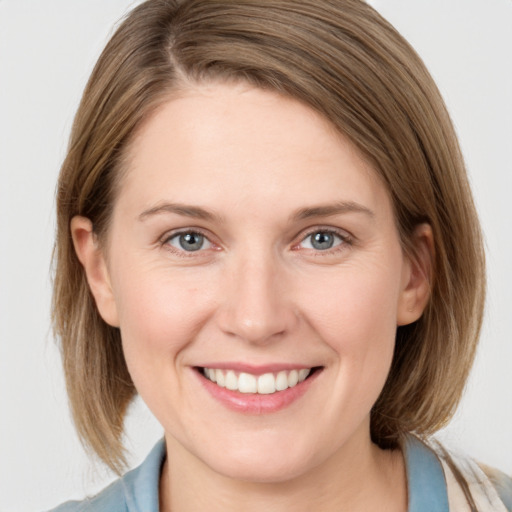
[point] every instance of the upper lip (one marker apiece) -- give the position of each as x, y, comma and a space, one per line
256, 369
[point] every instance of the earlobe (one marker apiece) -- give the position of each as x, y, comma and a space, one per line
92, 258
417, 275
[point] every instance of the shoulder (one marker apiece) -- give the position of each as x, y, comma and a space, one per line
484, 488
136, 490
111, 499
501, 482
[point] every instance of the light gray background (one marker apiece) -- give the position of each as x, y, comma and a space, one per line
47, 50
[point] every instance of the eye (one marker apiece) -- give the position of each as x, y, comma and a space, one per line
322, 240
189, 241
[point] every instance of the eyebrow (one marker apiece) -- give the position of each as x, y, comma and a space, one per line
332, 209
197, 212
185, 210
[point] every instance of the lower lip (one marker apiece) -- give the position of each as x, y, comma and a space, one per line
254, 403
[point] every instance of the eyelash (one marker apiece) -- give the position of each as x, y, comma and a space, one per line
345, 240
164, 242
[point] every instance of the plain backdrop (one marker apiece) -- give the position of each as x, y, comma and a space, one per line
47, 50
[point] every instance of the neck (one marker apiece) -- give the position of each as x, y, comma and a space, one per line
359, 477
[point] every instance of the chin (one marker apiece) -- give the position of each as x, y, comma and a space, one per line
269, 471
263, 464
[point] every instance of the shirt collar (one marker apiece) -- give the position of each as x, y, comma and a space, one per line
141, 485
425, 480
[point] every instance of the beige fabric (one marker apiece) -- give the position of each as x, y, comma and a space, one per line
456, 498
482, 490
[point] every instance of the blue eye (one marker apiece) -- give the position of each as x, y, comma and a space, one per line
189, 241
322, 240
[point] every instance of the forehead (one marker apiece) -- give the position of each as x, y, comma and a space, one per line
215, 140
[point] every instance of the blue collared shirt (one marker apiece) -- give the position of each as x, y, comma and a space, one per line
137, 490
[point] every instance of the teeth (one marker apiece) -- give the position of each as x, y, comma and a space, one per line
265, 384
282, 381
220, 379
231, 380
303, 374
247, 383
293, 378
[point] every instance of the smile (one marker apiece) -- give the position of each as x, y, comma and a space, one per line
255, 391
264, 384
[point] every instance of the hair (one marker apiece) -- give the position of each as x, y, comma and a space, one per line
346, 62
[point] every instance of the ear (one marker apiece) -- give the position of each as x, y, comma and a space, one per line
92, 258
416, 276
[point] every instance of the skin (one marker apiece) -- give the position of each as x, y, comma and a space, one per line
257, 293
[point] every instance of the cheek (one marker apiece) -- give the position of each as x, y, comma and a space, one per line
355, 309
159, 314
355, 314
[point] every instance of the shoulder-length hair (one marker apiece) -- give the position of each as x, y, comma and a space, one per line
344, 60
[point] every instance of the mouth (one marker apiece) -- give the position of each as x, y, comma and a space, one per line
264, 384
257, 391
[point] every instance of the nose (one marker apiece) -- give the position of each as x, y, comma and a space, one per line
256, 303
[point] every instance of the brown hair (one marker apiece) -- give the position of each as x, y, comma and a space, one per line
346, 62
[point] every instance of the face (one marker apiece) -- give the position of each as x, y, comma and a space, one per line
254, 268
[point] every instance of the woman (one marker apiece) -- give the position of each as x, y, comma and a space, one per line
265, 229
